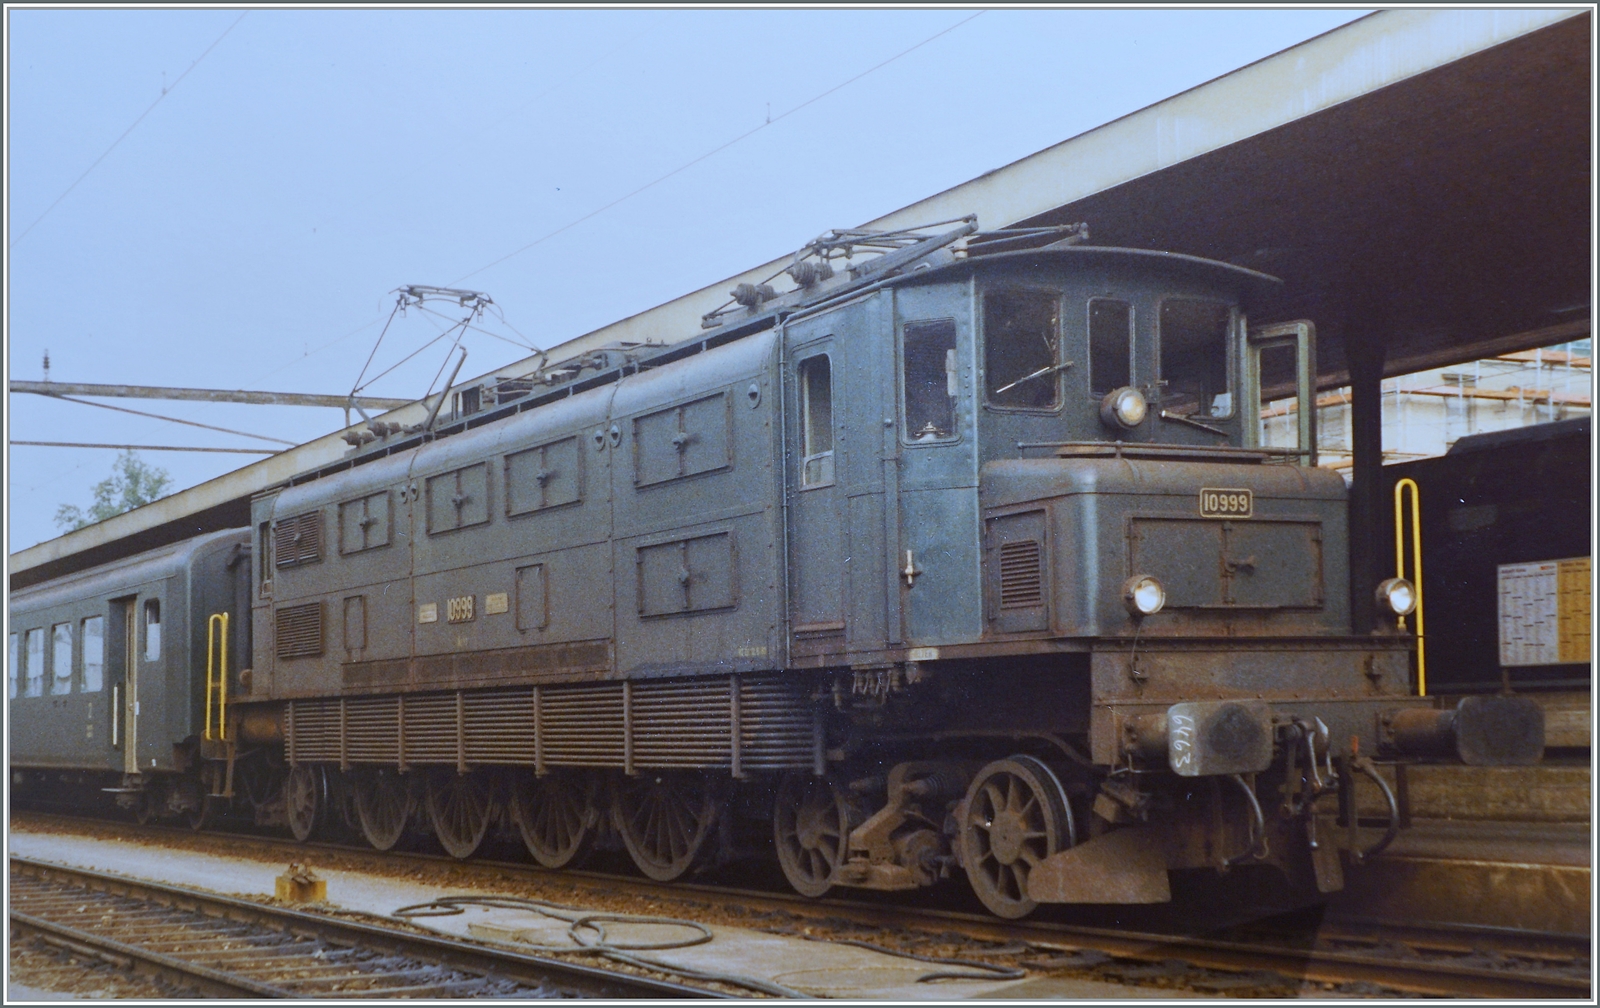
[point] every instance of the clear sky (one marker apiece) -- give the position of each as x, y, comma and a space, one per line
250, 228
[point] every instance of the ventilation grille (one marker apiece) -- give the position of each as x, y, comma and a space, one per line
300, 630
298, 540
1021, 581
683, 724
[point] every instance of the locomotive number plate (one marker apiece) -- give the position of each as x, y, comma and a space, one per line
1225, 503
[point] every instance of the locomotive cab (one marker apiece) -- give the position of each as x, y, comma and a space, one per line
1096, 541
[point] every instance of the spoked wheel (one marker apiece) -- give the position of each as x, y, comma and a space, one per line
1015, 815
459, 806
557, 817
383, 804
305, 800
665, 821
811, 824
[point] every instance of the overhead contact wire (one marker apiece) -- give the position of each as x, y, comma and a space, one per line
190, 423
717, 150
130, 129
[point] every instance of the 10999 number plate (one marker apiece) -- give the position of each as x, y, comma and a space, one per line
1225, 503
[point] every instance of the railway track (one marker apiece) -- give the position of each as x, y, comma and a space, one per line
1347, 957
225, 947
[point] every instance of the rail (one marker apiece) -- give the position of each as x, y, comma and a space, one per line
237, 947
1430, 960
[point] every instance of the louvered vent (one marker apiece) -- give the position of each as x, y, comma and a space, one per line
300, 630
298, 540
1021, 581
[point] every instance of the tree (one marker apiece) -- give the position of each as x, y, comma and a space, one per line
131, 484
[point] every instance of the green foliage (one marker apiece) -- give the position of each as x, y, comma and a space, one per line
131, 484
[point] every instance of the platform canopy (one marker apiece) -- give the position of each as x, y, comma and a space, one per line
1417, 175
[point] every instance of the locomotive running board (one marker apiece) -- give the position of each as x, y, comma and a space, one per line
1124, 866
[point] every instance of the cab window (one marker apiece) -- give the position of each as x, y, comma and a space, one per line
816, 421
1110, 345
928, 352
1194, 359
1021, 337
11, 667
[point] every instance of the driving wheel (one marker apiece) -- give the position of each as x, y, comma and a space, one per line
557, 817
665, 821
811, 824
1014, 816
459, 806
383, 804
305, 795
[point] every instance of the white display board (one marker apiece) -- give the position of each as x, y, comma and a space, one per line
1544, 612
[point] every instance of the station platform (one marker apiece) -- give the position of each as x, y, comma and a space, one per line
1505, 847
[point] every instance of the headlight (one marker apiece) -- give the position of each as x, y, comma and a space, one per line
1143, 595
1398, 595
1124, 407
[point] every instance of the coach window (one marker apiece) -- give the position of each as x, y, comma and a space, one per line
931, 380
33, 663
1194, 359
816, 420
1110, 345
152, 629
94, 654
11, 667
1021, 337
61, 659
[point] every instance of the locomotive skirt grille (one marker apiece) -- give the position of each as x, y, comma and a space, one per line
738, 723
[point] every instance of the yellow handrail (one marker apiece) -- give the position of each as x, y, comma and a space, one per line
217, 684
1416, 564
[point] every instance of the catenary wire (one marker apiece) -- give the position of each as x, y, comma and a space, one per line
716, 150
158, 416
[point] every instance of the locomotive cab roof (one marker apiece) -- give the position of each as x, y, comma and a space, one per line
1248, 282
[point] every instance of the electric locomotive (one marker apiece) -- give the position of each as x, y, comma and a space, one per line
964, 557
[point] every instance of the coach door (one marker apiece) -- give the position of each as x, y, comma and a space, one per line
123, 667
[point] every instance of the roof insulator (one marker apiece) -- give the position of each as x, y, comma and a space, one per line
751, 295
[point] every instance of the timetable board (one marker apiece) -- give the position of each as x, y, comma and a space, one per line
1544, 612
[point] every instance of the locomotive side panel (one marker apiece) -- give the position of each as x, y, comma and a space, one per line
867, 392
367, 598
938, 556
842, 579
695, 485
513, 588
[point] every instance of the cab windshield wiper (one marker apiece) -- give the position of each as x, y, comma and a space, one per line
1047, 369
1178, 417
